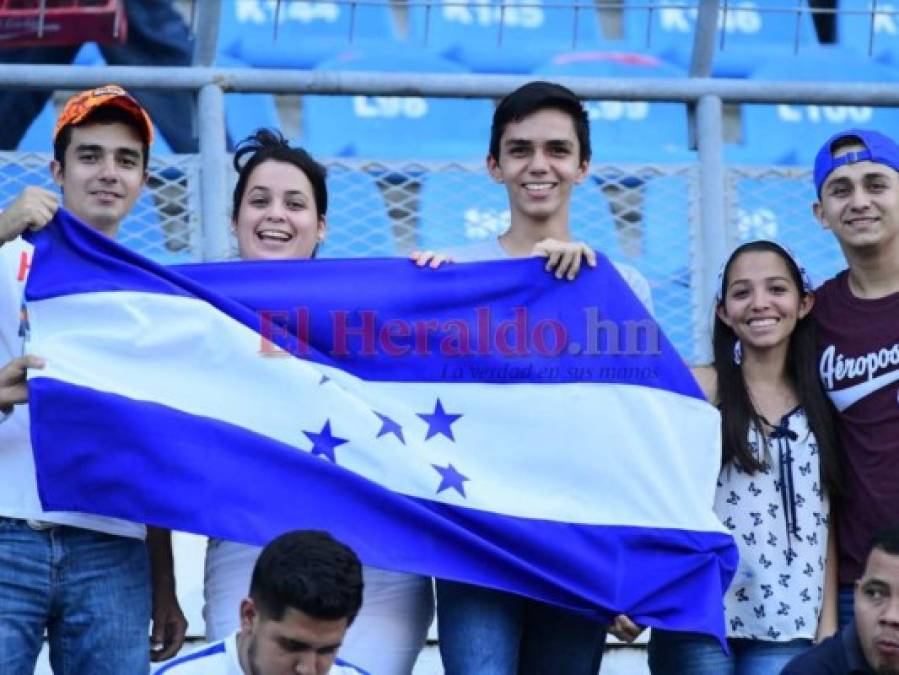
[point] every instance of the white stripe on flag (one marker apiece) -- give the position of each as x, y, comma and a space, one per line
596, 463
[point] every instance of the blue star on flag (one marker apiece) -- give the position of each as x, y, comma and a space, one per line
324, 442
439, 421
388, 426
450, 478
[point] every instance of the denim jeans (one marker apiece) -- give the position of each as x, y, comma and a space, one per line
673, 653
845, 606
90, 591
489, 632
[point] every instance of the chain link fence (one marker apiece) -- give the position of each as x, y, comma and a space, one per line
645, 216
163, 225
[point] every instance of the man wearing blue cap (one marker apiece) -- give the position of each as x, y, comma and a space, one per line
857, 182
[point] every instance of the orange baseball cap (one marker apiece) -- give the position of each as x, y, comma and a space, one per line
81, 105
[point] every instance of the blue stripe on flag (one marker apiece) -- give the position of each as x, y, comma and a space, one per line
203, 482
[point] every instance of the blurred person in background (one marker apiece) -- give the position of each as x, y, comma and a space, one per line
157, 36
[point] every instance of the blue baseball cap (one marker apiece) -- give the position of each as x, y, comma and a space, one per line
878, 148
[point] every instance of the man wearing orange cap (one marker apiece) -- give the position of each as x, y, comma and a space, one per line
84, 579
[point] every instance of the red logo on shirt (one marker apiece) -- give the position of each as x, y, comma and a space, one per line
24, 265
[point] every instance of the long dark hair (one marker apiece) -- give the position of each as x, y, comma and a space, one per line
738, 415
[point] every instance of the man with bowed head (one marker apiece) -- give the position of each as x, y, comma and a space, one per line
305, 591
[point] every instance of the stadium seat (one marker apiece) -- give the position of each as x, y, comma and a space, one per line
307, 32
39, 136
791, 133
772, 207
245, 112
486, 38
357, 220
628, 131
752, 31
384, 127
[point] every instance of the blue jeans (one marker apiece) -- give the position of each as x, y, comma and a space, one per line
157, 36
673, 653
845, 606
90, 591
489, 632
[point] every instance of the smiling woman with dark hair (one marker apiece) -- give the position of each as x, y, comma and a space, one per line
280, 202
780, 469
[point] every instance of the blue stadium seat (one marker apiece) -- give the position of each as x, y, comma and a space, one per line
854, 29
39, 136
485, 38
244, 112
792, 134
628, 131
357, 220
382, 127
780, 209
790, 221
307, 32
752, 31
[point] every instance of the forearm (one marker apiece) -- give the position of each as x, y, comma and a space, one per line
828, 620
162, 562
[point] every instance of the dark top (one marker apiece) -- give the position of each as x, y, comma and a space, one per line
837, 655
858, 361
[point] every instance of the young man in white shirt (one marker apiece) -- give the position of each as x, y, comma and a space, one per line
84, 579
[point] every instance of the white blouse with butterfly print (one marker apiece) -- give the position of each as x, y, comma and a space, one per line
778, 518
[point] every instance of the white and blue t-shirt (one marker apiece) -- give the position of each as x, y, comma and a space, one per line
220, 658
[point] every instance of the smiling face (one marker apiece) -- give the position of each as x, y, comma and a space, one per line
877, 612
103, 174
278, 217
298, 644
859, 203
762, 302
539, 164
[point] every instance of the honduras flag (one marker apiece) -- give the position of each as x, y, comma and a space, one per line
483, 422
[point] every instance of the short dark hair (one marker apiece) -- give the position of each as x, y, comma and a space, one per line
269, 144
886, 540
535, 96
310, 571
106, 114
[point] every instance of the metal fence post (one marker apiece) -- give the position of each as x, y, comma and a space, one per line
712, 215
213, 172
